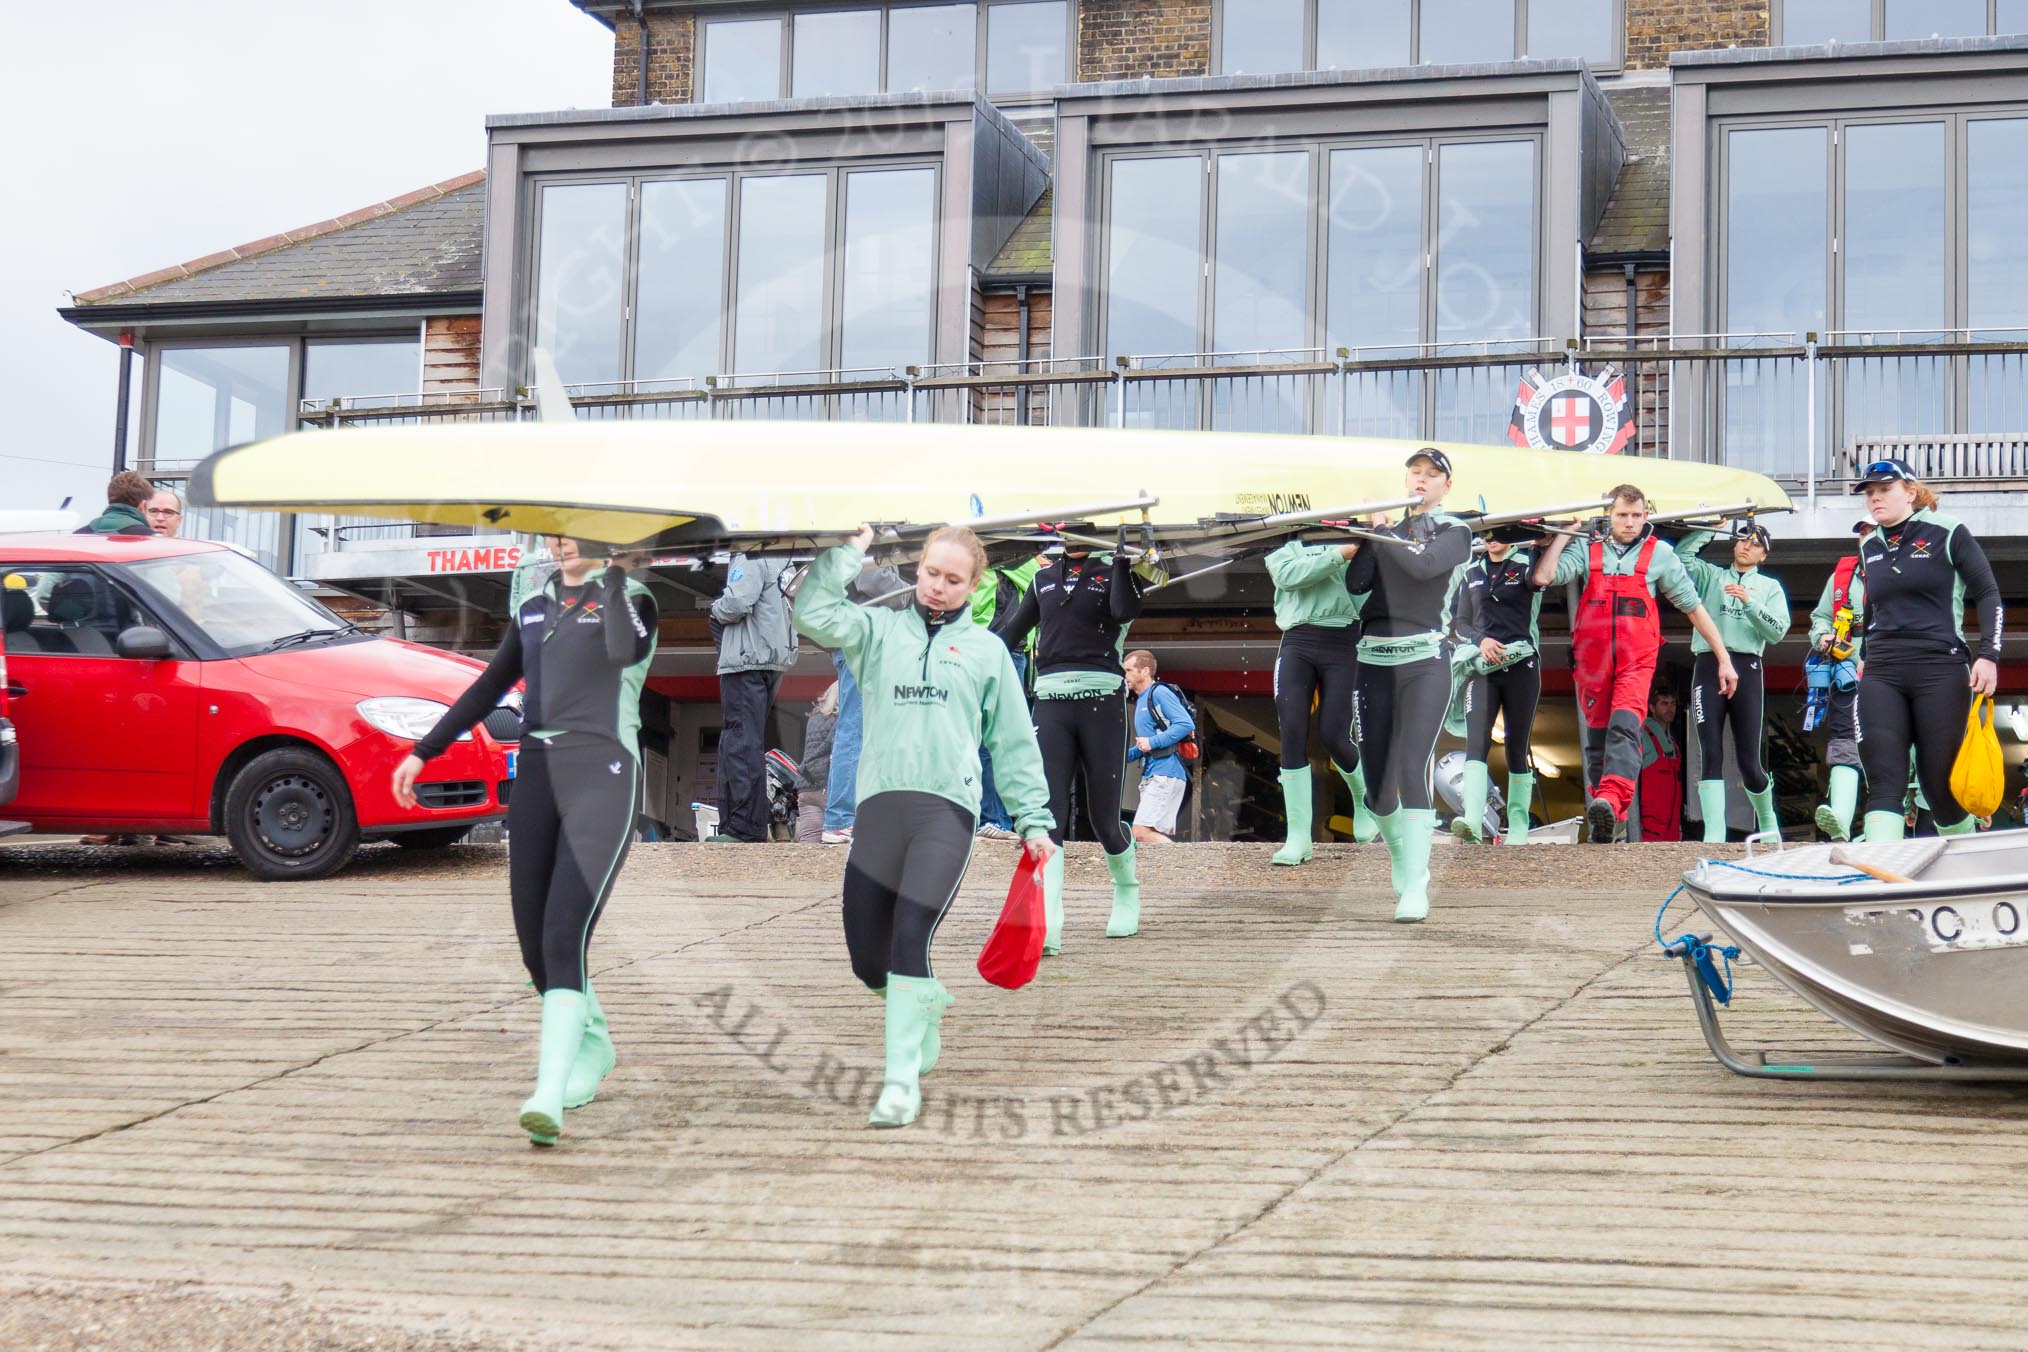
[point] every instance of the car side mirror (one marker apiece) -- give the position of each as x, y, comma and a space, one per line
143, 643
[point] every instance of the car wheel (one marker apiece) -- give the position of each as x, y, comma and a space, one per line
289, 816
437, 838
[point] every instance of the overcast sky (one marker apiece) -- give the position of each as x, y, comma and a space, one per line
141, 133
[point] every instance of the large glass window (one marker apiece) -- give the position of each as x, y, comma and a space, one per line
1802, 23
1258, 37
742, 60
1810, 23
1777, 196
681, 279
890, 268
1895, 289
1996, 269
836, 53
1373, 276
778, 323
208, 398
1933, 19
1465, 32
580, 267
350, 368
932, 47
1320, 247
1366, 34
1026, 47
1268, 41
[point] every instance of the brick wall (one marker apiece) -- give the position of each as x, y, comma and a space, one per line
672, 45
1657, 27
1126, 39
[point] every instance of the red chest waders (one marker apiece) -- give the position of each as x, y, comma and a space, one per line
1613, 647
1662, 796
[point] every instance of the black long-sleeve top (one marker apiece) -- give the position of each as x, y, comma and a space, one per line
1918, 576
1410, 587
1499, 600
578, 649
1083, 607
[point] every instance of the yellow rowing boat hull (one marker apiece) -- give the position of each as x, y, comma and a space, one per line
666, 482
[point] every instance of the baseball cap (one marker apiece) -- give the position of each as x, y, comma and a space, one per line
1884, 472
1758, 534
1861, 527
1435, 457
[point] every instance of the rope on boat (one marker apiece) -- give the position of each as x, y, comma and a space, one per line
1700, 952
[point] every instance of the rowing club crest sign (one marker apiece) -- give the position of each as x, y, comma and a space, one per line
1572, 412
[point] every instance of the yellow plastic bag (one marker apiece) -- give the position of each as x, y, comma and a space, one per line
1979, 775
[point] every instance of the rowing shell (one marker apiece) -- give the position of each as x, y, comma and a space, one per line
756, 484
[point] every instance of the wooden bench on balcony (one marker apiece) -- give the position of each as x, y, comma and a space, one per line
1964, 460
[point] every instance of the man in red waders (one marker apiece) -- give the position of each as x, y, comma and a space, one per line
1661, 770
1616, 637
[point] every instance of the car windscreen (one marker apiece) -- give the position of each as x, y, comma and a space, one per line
240, 605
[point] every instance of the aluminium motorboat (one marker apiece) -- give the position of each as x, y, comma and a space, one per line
1919, 945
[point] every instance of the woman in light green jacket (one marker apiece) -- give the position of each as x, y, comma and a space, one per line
935, 686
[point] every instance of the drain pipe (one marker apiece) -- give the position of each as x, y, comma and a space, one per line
120, 407
641, 74
1021, 356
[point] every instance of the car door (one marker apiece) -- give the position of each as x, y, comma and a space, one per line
102, 737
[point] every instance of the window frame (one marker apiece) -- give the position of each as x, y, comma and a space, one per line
1317, 257
981, 28
1777, 23
1619, 19
114, 580
834, 172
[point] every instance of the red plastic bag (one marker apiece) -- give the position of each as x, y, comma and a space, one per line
1014, 950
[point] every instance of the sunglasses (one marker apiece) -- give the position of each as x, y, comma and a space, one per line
1885, 469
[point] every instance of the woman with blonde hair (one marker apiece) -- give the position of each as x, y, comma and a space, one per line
935, 687
1916, 688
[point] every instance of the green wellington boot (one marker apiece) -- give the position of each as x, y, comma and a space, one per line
1884, 826
1125, 920
910, 1000
1389, 824
594, 1060
937, 1001
1296, 804
1520, 797
1764, 818
1969, 826
1711, 793
1470, 823
1834, 818
1415, 828
563, 1017
1365, 830
1052, 903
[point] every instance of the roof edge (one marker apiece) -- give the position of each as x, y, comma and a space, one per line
94, 318
255, 248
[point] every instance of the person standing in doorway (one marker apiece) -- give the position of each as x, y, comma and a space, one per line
1616, 638
1662, 772
1162, 723
750, 622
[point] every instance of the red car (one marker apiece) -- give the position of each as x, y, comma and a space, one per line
175, 686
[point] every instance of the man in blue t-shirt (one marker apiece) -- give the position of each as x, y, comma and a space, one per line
1161, 722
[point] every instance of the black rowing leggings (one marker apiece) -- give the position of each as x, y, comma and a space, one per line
1516, 691
1711, 711
1396, 717
1317, 662
909, 852
1085, 739
1919, 702
569, 822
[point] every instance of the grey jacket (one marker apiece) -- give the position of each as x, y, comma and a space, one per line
813, 771
754, 616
